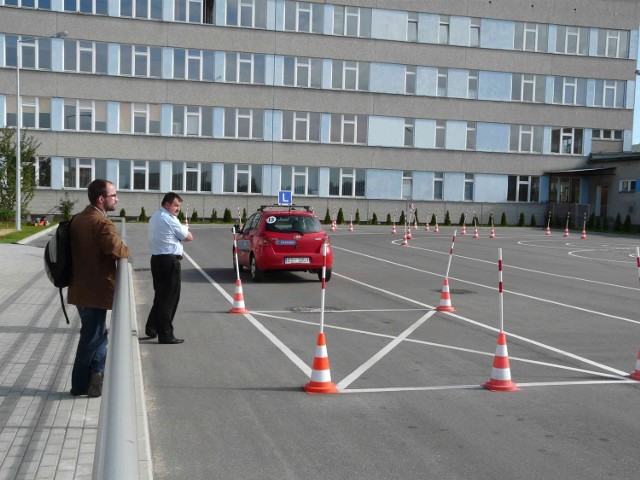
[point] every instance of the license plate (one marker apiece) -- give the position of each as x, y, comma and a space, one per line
285, 242
297, 260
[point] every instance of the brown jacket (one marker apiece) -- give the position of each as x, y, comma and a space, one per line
95, 247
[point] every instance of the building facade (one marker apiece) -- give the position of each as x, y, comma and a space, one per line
455, 105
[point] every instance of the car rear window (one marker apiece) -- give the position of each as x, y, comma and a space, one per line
292, 223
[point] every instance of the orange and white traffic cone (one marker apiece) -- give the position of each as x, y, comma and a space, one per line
334, 227
426, 227
584, 234
475, 232
350, 226
548, 232
320, 373
393, 230
445, 298
566, 232
238, 300
500, 380
404, 241
464, 229
409, 237
436, 230
493, 233
635, 375
415, 224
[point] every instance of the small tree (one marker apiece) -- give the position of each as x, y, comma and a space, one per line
401, 221
388, 222
194, 216
462, 219
181, 217
503, 220
415, 216
244, 216
123, 214
327, 217
617, 223
357, 217
340, 219
521, 220
374, 219
28, 182
591, 221
447, 218
66, 206
214, 216
143, 216
226, 217
434, 218
627, 224
533, 221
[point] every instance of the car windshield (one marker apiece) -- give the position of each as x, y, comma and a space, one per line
292, 223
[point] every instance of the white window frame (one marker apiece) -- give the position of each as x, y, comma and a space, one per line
471, 136
410, 72
609, 86
345, 174
83, 107
474, 32
441, 134
627, 186
469, 179
243, 114
442, 82
412, 27
472, 85
407, 185
520, 181
28, 102
345, 120
299, 173
438, 181
79, 165
568, 134
570, 33
242, 169
409, 132
444, 30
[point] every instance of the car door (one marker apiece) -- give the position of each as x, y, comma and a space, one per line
245, 239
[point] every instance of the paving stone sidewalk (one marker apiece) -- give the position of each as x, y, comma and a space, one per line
45, 433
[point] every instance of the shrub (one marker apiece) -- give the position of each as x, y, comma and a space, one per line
340, 217
214, 216
617, 224
181, 217
447, 218
374, 219
503, 220
401, 221
226, 217
388, 222
533, 221
327, 217
627, 224
462, 219
521, 220
357, 217
194, 216
244, 216
122, 213
434, 218
66, 206
143, 215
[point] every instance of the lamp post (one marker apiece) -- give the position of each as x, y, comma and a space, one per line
19, 119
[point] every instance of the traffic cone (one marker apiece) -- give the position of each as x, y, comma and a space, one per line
409, 237
334, 227
566, 232
320, 372
548, 232
445, 298
584, 234
415, 224
636, 374
238, 300
393, 230
475, 232
500, 380
404, 241
350, 226
426, 227
493, 233
436, 230
464, 230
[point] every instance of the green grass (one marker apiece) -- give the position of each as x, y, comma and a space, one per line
12, 237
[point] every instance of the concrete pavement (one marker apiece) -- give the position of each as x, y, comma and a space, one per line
45, 433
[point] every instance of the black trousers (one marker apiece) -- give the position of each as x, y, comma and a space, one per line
165, 270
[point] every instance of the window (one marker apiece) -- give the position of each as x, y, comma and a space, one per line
36, 112
140, 61
350, 129
443, 29
523, 188
247, 13
599, 134
627, 186
299, 180
188, 11
301, 126
531, 37
565, 190
412, 27
96, 7
85, 57
303, 17
85, 115
80, 172
527, 88
613, 43
572, 40
43, 171
242, 178
567, 140
409, 132
441, 126
471, 136
609, 93
34, 53
410, 80
139, 118
243, 123
442, 82
570, 91
468, 187
347, 75
472, 85
526, 139
474, 33
351, 21
346, 182
302, 72
438, 185
245, 68
138, 175
145, 9
38, 4
192, 121
193, 64
407, 185
191, 176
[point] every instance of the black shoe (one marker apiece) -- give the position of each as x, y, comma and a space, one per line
95, 385
170, 341
150, 332
76, 393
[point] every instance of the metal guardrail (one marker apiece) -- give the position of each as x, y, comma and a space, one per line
116, 455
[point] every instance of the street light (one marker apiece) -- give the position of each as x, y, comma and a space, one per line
19, 118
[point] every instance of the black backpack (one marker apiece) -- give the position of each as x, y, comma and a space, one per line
57, 259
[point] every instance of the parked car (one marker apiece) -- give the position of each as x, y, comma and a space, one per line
283, 238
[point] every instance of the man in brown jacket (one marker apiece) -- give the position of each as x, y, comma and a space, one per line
95, 247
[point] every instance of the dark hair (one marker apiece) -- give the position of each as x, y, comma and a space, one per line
96, 189
170, 197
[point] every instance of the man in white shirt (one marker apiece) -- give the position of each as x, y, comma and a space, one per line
166, 235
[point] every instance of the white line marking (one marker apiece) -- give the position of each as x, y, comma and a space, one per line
349, 379
275, 340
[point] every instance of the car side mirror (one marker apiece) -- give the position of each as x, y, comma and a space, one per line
237, 227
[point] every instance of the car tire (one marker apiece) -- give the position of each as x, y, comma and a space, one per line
257, 275
240, 266
327, 275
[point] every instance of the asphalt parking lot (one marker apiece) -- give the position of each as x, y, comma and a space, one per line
229, 404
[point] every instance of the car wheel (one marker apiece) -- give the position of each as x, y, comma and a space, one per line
327, 275
240, 266
257, 275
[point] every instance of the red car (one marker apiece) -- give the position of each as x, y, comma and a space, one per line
283, 238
